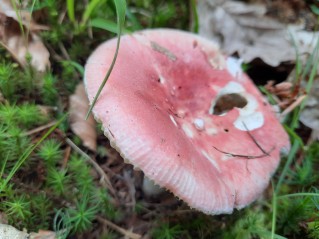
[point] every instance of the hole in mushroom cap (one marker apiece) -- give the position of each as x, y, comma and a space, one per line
227, 102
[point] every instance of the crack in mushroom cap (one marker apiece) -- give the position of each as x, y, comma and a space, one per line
158, 109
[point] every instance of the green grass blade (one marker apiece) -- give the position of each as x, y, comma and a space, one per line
4, 166
195, 16
274, 211
17, 12
27, 153
89, 9
77, 66
291, 156
106, 25
298, 195
136, 25
70, 8
120, 6
294, 135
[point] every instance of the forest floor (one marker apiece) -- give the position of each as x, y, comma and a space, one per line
59, 176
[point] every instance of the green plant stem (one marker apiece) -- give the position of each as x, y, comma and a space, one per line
291, 156
274, 211
27, 153
298, 195
194, 16
120, 12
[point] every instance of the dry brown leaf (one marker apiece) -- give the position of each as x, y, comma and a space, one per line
25, 16
84, 129
9, 232
310, 114
42, 234
19, 44
243, 28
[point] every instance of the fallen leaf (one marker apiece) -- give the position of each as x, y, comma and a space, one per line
84, 129
21, 44
310, 114
42, 234
9, 232
243, 28
25, 16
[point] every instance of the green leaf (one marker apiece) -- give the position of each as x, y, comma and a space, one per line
77, 66
106, 25
314, 9
89, 9
70, 8
195, 16
120, 6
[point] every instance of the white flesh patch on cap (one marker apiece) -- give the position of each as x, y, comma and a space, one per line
181, 113
249, 122
188, 131
211, 131
234, 66
231, 88
210, 159
249, 118
161, 79
199, 124
218, 62
173, 120
226, 157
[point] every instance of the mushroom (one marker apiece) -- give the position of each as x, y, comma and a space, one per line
188, 117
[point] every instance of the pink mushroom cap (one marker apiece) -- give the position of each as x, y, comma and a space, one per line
188, 117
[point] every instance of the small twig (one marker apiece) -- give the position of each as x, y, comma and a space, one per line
253, 138
104, 178
131, 188
66, 157
291, 107
265, 153
64, 52
246, 156
40, 128
124, 232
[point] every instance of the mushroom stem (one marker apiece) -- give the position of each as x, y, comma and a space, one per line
150, 189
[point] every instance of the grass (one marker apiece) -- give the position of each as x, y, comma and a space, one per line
39, 190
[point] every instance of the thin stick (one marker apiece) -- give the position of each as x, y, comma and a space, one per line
119, 229
246, 156
104, 178
253, 138
40, 128
265, 153
291, 107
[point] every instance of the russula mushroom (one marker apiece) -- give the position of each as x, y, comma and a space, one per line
188, 117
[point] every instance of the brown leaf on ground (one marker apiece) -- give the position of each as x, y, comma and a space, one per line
310, 113
21, 43
84, 129
245, 29
42, 234
9, 232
